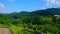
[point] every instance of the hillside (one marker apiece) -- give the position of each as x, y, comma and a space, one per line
46, 12
31, 20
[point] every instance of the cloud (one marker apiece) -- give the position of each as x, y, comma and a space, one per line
43, 8
5, 10
2, 8
10, 0
1, 5
52, 2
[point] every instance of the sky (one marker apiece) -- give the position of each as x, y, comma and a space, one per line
8, 6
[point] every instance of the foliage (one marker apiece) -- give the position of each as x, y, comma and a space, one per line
43, 20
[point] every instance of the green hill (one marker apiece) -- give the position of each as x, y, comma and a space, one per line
36, 19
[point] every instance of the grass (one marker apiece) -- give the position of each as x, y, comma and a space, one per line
18, 29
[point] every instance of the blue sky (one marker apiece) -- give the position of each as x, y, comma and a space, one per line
7, 6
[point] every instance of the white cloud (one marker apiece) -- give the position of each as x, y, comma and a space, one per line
2, 8
10, 0
52, 2
47, 4
5, 10
43, 8
1, 5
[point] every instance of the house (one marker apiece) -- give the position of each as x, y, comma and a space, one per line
57, 17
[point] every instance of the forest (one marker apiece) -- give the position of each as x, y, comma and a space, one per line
47, 21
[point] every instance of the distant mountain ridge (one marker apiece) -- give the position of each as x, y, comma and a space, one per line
45, 12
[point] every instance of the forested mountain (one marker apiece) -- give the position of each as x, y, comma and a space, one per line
48, 12
45, 12
36, 19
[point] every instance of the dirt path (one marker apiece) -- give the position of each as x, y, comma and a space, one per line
4, 31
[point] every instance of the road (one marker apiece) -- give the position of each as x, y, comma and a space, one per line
4, 31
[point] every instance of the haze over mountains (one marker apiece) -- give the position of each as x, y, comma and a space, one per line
44, 12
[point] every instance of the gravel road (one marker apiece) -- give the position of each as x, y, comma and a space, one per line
4, 31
